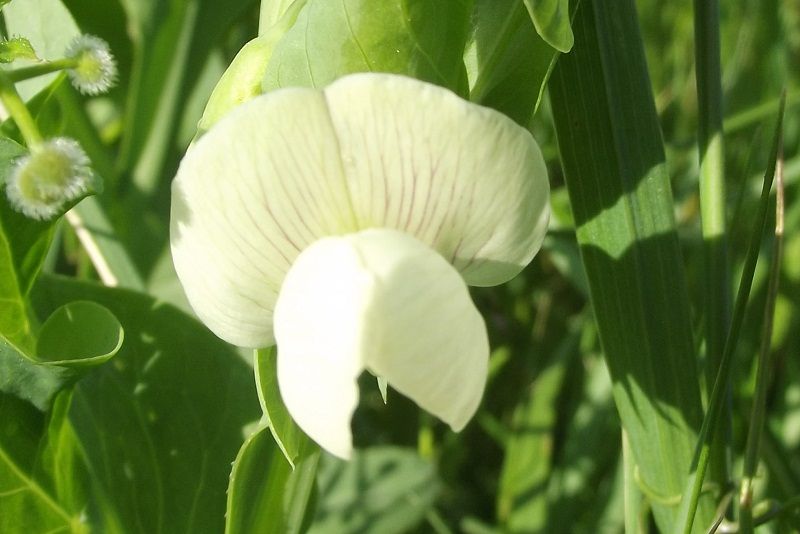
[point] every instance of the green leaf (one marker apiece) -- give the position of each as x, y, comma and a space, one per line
266, 495
419, 38
16, 48
590, 453
49, 27
28, 381
79, 334
257, 481
287, 434
271, 11
31, 500
381, 490
613, 160
508, 63
300, 491
522, 502
552, 21
160, 427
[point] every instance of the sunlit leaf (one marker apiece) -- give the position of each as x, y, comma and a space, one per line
48, 26
160, 425
418, 38
16, 48
101, 339
266, 494
552, 21
614, 163
507, 61
287, 434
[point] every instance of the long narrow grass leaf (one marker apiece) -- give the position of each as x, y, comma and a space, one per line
691, 495
614, 164
763, 371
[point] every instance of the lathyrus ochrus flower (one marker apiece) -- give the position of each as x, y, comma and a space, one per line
344, 225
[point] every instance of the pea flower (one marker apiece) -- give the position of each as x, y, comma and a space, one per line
344, 225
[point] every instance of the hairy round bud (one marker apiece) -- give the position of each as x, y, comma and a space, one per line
96, 69
54, 173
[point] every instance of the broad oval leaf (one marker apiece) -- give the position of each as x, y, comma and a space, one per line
158, 427
418, 38
81, 334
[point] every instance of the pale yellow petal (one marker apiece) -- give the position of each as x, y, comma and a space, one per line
253, 192
462, 178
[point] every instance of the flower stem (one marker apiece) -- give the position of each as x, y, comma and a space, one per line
40, 69
19, 111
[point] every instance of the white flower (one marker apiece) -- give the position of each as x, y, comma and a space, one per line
96, 70
56, 171
345, 225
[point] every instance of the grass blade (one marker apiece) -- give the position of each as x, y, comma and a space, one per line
762, 374
691, 496
613, 159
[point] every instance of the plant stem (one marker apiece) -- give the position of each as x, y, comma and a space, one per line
19, 111
712, 207
762, 372
633, 495
40, 69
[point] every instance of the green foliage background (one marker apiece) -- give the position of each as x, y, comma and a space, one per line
144, 443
